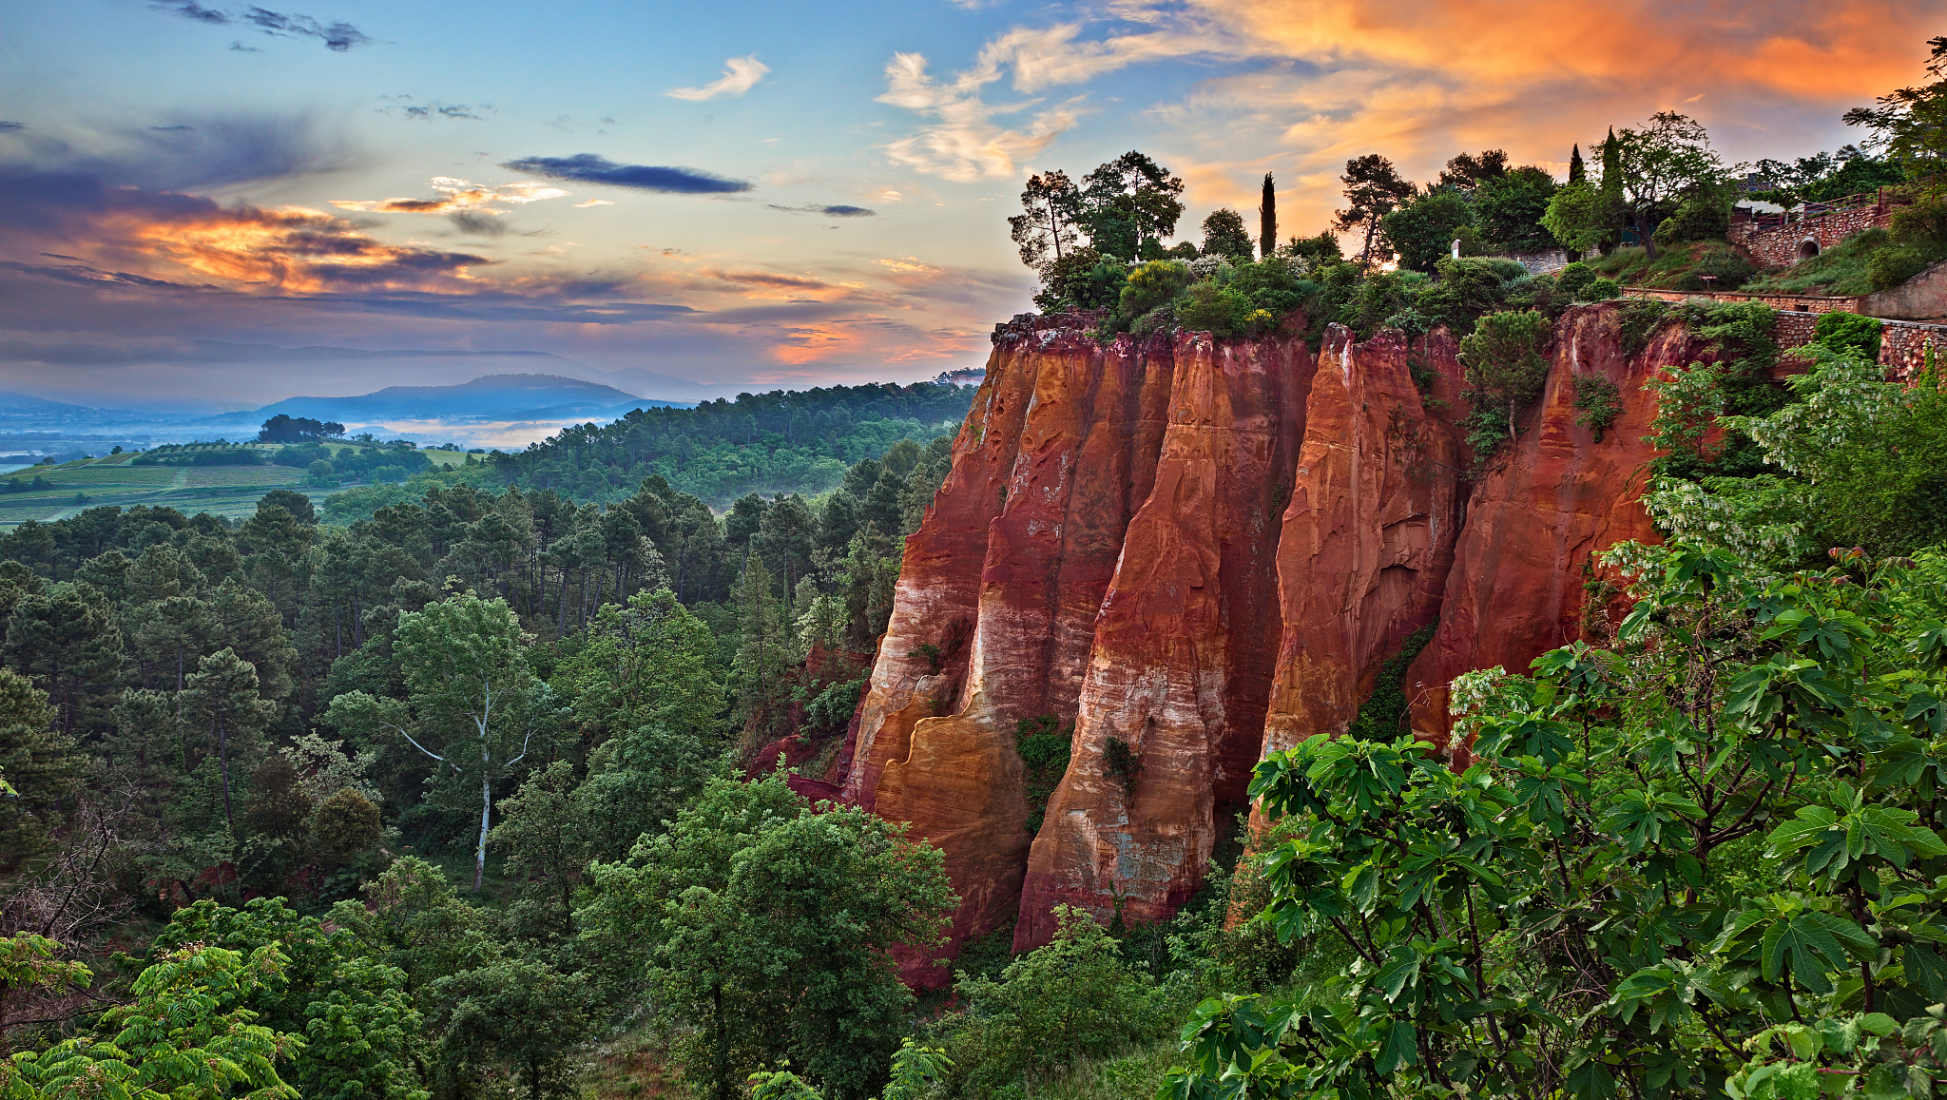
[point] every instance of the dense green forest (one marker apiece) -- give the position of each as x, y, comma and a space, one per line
799, 441
470, 794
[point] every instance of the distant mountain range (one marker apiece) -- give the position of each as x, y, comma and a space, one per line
496, 397
495, 410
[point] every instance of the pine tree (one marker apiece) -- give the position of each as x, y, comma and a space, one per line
1576, 172
1267, 219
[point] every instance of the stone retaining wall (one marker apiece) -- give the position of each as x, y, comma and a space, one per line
1537, 263
1783, 303
1775, 245
1902, 347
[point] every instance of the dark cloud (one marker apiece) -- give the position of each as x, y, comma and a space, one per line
189, 9
216, 151
338, 36
12, 127
834, 211
773, 281
589, 168
239, 47
478, 224
442, 110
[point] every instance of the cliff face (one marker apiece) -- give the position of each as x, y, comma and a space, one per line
1004, 581
1536, 520
1200, 552
1184, 646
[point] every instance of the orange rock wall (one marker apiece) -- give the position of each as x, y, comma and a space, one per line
1542, 511
1205, 550
1184, 646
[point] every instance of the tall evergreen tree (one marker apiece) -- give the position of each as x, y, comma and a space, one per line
1267, 219
222, 696
1576, 171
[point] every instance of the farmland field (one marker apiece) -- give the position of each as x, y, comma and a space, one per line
228, 491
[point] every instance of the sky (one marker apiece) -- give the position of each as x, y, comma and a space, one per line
752, 194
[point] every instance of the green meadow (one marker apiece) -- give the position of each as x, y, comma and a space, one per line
228, 491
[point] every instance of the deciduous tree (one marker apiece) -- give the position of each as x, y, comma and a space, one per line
744, 943
472, 704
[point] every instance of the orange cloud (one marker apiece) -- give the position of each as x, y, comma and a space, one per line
461, 196
813, 343
1306, 84
288, 251
1795, 48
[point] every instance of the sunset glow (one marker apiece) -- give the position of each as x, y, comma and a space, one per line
742, 199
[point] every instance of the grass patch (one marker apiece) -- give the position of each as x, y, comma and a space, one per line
1135, 1075
634, 1065
1683, 267
1838, 271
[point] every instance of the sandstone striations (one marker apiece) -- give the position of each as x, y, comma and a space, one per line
1198, 552
1184, 646
1368, 540
1003, 582
1540, 514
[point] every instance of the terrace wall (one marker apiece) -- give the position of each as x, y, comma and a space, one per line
1779, 240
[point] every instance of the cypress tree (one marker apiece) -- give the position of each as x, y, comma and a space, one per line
1576, 172
1612, 184
1267, 220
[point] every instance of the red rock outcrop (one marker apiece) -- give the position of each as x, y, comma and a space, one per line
1553, 500
1060, 450
1204, 551
1184, 646
1368, 538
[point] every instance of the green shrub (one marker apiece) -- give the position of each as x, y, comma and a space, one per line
1505, 372
1575, 278
834, 706
1369, 302
1318, 252
1075, 998
1638, 319
1043, 744
1889, 267
1272, 284
1467, 290
1150, 286
1597, 403
1702, 217
1153, 284
1123, 763
1082, 279
1539, 293
1602, 290
1726, 269
1922, 226
1383, 714
1842, 331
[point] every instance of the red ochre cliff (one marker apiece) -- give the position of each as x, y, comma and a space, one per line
1200, 551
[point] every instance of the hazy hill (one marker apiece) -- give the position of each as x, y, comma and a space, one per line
494, 397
